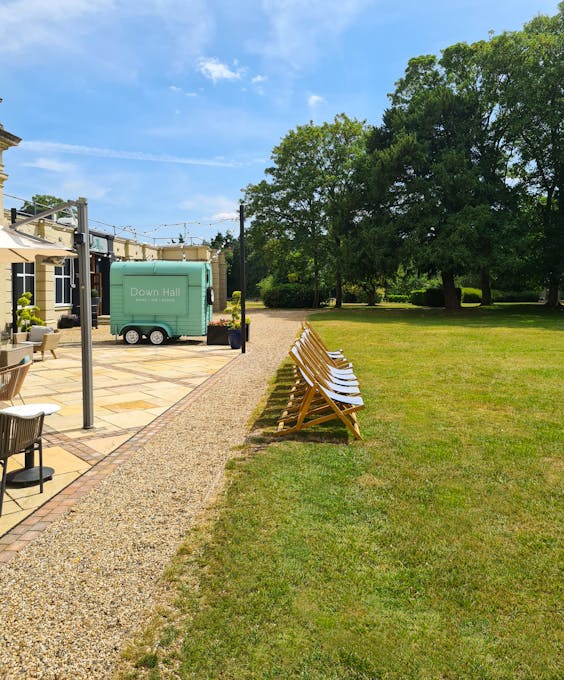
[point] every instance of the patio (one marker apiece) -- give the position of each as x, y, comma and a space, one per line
132, 387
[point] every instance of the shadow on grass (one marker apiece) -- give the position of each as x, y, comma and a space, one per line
266, 424
509, 315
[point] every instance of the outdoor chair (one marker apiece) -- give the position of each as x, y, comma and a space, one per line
19, 434
11, 381
43, 339
321, 392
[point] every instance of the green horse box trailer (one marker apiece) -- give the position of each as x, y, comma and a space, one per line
160, 300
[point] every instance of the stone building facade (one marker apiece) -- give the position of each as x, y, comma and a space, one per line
55, 288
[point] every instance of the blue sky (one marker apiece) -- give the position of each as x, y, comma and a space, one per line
160, 111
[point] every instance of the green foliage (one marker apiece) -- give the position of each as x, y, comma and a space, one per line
471, 295
41, 202
291, 295
234, 308
516, 296
397, 298
26, 313
431, 297
354, 293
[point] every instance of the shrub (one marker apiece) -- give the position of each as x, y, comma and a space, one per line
354, 293
286, 295
397, 298
471, 295
431, 297
68, 321
418, 297
515, 296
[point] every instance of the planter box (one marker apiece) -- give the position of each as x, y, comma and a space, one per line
217, 335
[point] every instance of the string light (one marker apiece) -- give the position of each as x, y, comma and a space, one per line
138, 231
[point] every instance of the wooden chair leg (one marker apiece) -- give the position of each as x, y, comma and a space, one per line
3, 484
53, 353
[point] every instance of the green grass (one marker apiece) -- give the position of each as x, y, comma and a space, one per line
429, 550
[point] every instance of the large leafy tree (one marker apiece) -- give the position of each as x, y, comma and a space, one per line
444, 146
302, 212
531, 98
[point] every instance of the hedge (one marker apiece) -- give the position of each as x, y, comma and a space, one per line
289, 295
431, 297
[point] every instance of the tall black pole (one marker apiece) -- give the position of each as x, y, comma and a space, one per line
242, 277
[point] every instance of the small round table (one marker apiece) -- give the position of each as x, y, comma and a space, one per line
29, 474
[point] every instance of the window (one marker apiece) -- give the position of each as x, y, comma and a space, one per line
24, 280
63, 278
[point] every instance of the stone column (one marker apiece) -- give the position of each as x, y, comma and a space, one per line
7, 139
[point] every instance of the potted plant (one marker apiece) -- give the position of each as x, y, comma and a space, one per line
26, 317
218, 331
234, 329
95, 296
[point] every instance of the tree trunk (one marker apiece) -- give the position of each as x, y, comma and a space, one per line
449, 290
338, 277
370, 295
486, 284
553, 297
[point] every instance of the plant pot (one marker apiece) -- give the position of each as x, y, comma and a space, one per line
235, 338
217, 335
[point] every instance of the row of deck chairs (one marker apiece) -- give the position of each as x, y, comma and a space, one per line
325, 387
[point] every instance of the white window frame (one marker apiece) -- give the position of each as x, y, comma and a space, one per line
66, 280
25, 272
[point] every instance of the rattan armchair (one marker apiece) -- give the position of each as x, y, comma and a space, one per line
19, 434
11, 381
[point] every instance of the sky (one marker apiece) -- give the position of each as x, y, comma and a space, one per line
160, 112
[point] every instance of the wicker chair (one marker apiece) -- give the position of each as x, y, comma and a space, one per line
11, 381
20, 434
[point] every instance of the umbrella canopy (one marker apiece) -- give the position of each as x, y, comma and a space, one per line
16, 246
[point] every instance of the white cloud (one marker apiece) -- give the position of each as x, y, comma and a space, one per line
179, 90
57, 147
51, 165
314, 99
258, 79
212, 68
212, 208
31, 28
298, 29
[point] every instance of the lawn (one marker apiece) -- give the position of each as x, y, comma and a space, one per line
429, 550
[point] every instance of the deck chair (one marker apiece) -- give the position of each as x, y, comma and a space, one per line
11, 381
313, 403
318, 361
335, 356
19, 434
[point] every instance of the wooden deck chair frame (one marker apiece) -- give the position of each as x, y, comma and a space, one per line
317, 405
335, 356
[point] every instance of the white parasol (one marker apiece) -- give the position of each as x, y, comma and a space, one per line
16, 246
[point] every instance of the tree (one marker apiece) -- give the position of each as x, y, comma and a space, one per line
41, 202
303, 211
290, 206
531, 98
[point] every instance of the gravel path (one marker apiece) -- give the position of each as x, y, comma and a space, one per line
75, 595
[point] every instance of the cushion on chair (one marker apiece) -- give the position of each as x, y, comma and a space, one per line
36, 333
24, 361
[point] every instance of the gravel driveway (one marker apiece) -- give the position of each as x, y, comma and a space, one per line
73, 597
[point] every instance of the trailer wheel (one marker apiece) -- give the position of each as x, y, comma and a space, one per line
209, 295
157, 336
131, 336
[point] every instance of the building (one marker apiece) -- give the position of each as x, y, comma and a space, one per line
55, 288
